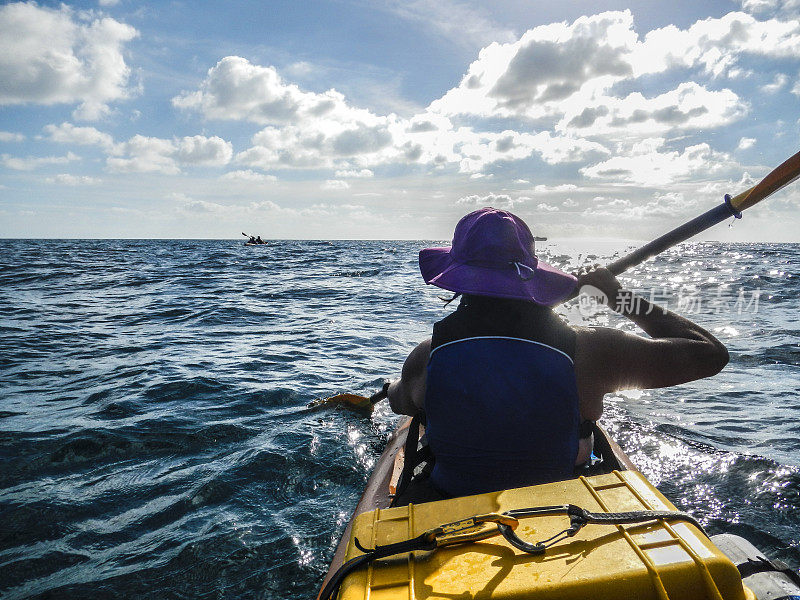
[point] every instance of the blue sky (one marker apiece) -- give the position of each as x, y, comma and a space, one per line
390, 119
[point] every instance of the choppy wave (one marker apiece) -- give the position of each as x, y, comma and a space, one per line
156, 443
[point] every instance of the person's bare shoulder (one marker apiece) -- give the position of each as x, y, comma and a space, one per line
407, 394
418, 358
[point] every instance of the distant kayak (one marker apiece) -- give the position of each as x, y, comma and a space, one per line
254, 240
539, 238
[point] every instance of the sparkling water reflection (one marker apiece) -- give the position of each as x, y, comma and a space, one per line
153, 424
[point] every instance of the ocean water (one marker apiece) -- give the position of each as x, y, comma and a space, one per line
154, 435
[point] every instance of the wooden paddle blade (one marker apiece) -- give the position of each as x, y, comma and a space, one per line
353, 401
780, 177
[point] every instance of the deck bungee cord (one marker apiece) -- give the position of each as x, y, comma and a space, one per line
485, 526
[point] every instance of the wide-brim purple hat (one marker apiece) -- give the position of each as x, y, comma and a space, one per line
493, 254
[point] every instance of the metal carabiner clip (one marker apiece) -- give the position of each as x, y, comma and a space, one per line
472, 529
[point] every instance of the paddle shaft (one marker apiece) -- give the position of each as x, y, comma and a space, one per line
778, 178
676, 236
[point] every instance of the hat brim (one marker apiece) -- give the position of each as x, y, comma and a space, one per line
547, 285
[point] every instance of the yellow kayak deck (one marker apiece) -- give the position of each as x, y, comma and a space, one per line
656, 559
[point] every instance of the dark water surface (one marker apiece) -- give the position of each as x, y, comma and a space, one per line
155, 440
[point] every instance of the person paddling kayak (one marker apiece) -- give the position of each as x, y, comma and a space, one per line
509, 391
253, 240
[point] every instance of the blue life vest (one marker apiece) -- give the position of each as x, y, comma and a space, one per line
501, 399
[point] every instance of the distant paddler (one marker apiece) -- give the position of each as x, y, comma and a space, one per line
253, 241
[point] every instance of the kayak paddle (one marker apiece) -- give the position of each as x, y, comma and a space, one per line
782, 176
353, 401
778, 178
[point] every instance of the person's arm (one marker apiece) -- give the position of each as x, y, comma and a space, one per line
407, 394
677, 351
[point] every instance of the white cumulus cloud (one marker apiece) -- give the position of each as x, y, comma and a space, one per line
236, 89
73, 180
203, 151
716, 45
745, 143
778, 83
191, 205
549, 189
788, 7
50, 56
546, 66
568, 72
335, 184
669, 204
689, 106
142, 154
352, 173
317, 144
563, 90
67, 133
301, 129
8, 136
30, 163
650, 164
491, 199
759, 5
249, 175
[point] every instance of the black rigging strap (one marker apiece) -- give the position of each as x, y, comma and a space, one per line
411, 460
579, 517
420, 542
481, 527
